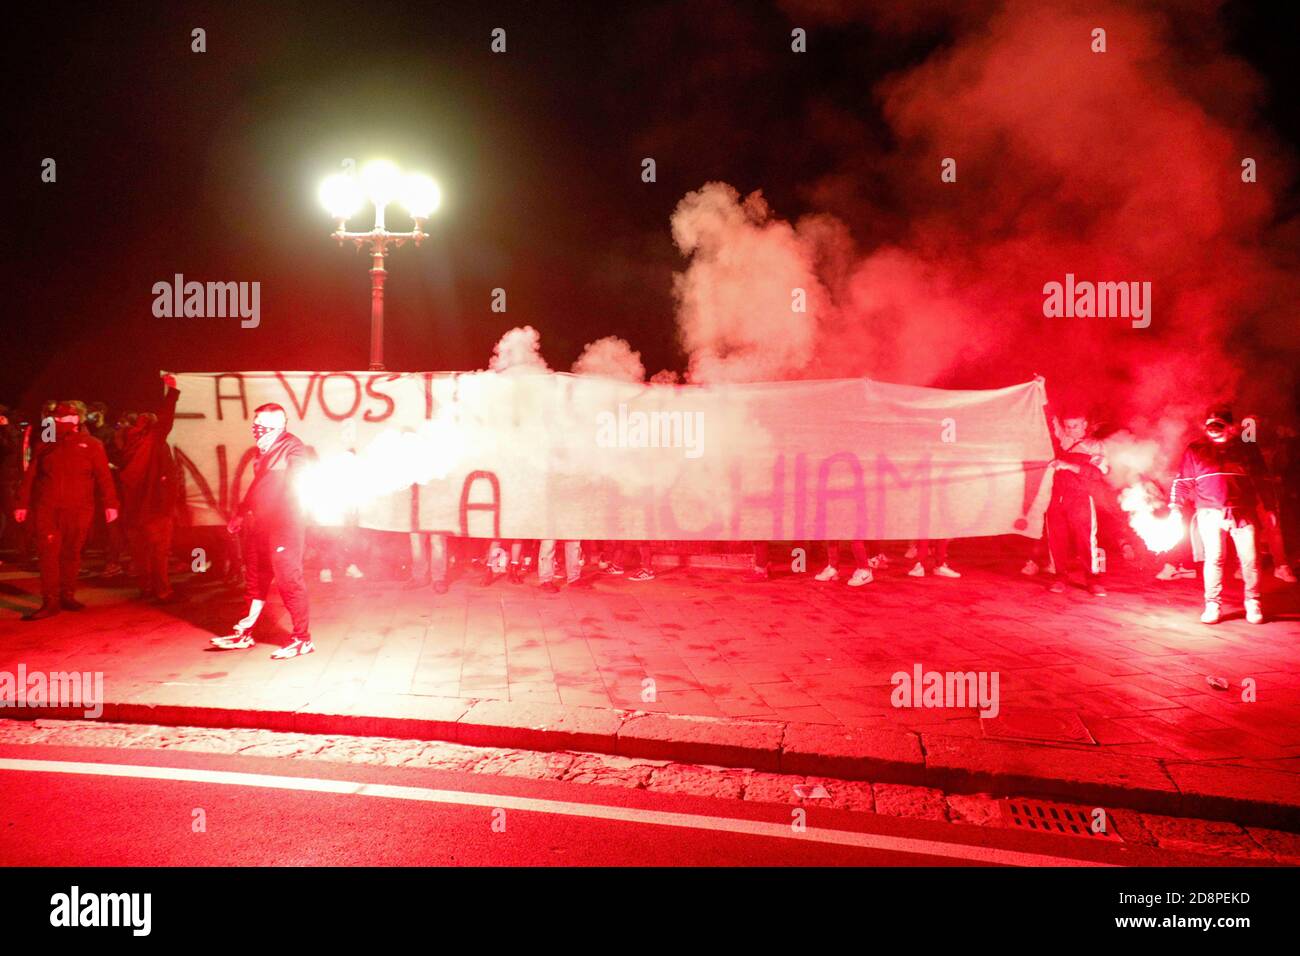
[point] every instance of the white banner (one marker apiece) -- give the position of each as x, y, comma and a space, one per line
546, 455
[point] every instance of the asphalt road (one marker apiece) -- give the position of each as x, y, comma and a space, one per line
120, 807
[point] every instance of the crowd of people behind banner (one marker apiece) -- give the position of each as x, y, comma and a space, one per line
1229, 488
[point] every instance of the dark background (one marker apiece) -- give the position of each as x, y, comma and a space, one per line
207, 165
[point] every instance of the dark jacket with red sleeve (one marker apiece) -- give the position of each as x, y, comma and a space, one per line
1220, 475
65, 472
271, 499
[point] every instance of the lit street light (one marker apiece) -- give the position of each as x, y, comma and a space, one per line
382, 183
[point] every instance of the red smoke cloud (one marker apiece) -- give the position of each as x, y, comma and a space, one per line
1117, 166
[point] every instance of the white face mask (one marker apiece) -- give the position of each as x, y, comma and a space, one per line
267, 438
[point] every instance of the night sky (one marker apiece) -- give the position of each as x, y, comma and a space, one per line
207, 164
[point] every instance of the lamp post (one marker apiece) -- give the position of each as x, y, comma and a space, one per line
382, 183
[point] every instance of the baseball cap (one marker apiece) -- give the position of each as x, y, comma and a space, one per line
1218, 413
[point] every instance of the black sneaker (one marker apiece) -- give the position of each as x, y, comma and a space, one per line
439, 587
550, 587
41, 613
1096, 590
1057, 586
69, 603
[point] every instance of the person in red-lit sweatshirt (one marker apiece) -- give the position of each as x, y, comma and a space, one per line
59, 491
1222, 478
148, 476
1078, 471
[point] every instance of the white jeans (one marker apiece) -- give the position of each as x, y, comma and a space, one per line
546, 560
1215, 529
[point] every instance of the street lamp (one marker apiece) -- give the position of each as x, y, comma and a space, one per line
382, 183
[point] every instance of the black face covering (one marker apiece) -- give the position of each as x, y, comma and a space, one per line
260, 431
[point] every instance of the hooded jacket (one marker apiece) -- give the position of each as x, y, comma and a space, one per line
271, 498
64, 473
1220, 475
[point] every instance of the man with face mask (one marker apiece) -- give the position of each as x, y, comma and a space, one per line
1221, 477
272, 530
58, 490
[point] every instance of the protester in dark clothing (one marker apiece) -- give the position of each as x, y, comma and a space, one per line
11, 468
1223, 479
1270, 439
148, 480
59, 491
272, 530
1077, 472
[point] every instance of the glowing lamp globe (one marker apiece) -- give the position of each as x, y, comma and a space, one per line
382, 181
420, 196
340, 196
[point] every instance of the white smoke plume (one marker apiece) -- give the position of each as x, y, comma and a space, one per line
610, 357
739, 312
520, 349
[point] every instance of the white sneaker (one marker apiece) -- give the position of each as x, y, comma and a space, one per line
1031, 568
827, 573
918, 571
354, 572
1211, 614
910, 553
946, 572
1167, 573
860, 577
1254, 613
1283, 572
233, 642
1183, 572
326, 576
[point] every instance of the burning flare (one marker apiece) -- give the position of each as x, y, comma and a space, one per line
1159, 533
340, 483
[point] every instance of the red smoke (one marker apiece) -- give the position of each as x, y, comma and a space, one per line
1117, 166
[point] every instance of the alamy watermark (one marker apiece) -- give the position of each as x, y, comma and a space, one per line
1102, 300
651, 430
923, 688
75, 908
74, 689
208, 300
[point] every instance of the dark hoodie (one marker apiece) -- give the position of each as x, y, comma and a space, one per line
65, 472
1220, 475
271, 499
148, 470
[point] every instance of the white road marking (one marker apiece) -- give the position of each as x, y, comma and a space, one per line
761, 828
